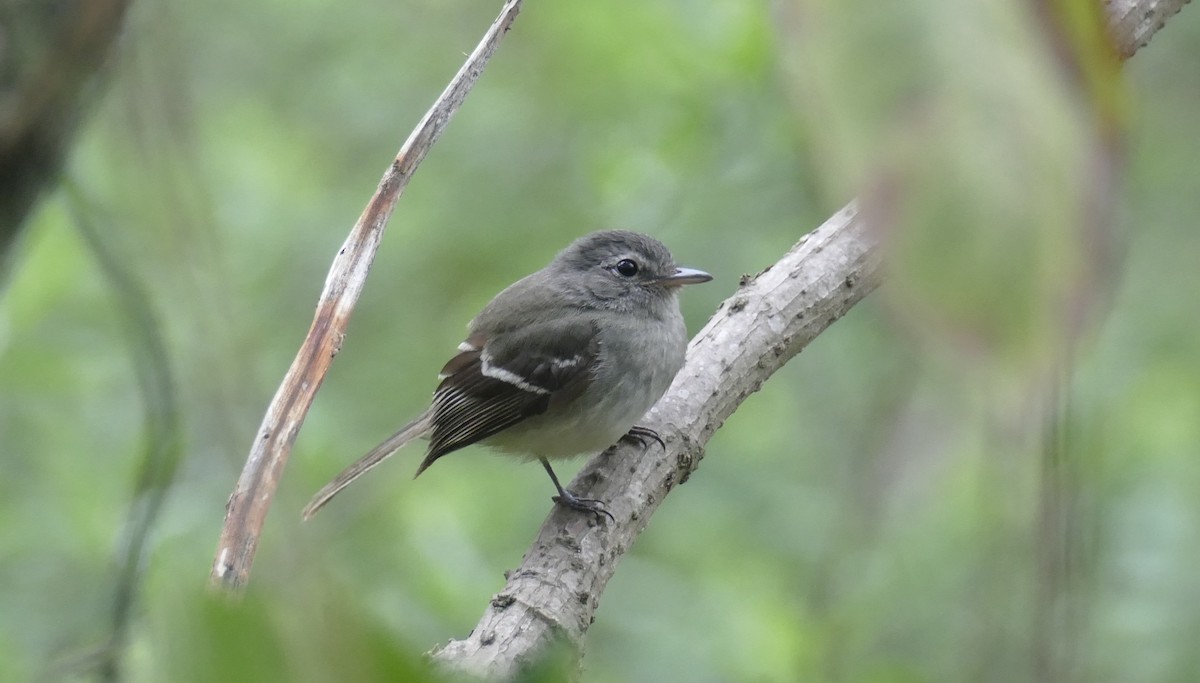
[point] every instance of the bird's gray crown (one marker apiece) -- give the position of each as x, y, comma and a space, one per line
608, 248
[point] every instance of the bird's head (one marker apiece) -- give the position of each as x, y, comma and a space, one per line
624, 269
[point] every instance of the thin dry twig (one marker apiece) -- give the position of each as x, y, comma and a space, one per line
247, 509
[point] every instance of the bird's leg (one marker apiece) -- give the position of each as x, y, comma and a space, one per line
574, 502
643, 435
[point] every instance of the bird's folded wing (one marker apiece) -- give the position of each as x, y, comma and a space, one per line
499, 380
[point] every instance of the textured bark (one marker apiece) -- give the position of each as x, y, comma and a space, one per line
1133, 22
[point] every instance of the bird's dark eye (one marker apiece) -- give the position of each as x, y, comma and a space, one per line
627, 268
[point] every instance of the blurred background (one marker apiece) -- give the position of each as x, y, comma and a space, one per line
987, 471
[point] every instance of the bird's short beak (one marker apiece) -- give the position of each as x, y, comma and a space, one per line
685, 276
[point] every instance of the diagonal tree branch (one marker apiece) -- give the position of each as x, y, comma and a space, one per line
552, 597
1132, 23
772, 317
246, 511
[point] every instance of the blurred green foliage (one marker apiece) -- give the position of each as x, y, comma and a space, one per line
906, 501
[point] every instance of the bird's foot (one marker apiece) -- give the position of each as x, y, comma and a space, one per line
592, 505
643, 436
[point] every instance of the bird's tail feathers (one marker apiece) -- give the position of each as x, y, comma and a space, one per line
413, 430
